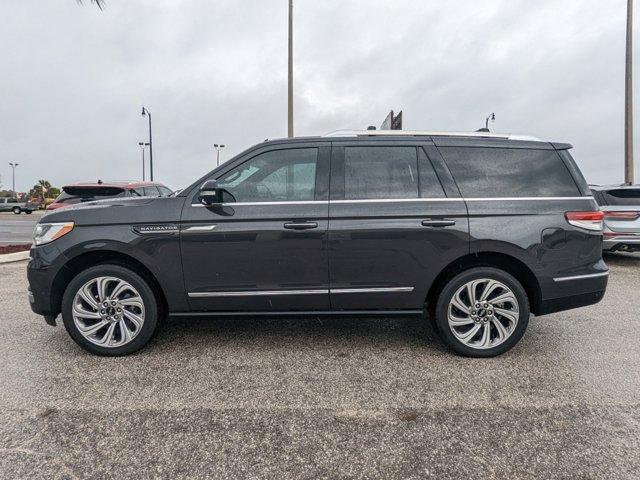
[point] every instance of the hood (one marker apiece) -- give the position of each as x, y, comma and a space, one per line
118, 211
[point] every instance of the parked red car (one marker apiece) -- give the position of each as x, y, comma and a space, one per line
87, 192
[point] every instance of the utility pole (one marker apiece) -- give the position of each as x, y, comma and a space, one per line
13, 185
218, 148
290, 78
628, 111
146, 112
142, 145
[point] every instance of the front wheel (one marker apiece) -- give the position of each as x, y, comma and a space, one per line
28, 212
110, 310
482, 312
16, 210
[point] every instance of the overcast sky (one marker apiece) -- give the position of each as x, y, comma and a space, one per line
73, 78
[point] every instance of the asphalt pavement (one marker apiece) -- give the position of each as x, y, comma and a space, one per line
357, 398
16, 229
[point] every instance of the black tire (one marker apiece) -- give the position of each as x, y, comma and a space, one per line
28, 212
16, 210
449, 290
150, 300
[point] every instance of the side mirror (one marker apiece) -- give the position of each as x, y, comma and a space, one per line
211, 194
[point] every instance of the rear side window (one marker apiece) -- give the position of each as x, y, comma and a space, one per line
509, 172
380, 172
430, 186
622, 196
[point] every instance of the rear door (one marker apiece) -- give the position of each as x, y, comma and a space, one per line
265, 249
396, 220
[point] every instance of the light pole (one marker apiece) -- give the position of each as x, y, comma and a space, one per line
628, 98
218, 148
290, 77
142, 145
13, 185
146, 112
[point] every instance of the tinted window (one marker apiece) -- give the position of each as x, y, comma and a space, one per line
151, 191
72, 195
430, 186
380, 172
509, 172
12, 200
280, 175
622, 196
164, 191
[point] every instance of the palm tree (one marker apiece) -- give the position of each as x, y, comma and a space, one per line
40, 189
99, 3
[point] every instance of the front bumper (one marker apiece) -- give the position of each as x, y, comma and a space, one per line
45, 264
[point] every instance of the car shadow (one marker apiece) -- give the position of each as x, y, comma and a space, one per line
622, 259
412, 332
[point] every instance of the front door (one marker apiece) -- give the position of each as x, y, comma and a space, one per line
396, 220
265, 248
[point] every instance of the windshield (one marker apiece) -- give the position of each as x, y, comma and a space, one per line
623, 197
72, 195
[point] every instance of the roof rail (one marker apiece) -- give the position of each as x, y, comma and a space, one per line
408, 133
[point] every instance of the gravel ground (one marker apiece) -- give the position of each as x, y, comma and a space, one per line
359, 398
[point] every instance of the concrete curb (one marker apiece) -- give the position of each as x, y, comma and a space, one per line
14, 257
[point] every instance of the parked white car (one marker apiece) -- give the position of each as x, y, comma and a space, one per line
621, 206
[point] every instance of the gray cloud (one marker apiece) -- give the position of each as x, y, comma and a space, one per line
74, 78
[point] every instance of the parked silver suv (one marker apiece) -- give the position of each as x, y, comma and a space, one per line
10, 204
621, 206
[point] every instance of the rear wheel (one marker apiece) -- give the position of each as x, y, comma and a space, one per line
16, 210
482, 312
28, 212
110, 310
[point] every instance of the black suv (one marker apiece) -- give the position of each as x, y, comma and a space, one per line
475, 230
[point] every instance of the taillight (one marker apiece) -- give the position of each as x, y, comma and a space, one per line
622, 215
587, 220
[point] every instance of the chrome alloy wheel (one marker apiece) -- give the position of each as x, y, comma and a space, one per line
108, 311
483, 313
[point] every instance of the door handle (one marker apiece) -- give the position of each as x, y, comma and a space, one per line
300, 225
438, 223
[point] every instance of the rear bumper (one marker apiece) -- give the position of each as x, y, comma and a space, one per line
575, 291
622, 243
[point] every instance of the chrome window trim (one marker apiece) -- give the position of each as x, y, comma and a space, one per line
494, 199
581, 277
397, 200
400, 200
285, 202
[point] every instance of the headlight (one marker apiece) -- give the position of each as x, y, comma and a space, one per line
48, 232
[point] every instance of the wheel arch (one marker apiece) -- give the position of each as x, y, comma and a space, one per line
505, 262
85, 260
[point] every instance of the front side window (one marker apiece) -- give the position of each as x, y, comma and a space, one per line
278, 175
509, 172
380, 172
